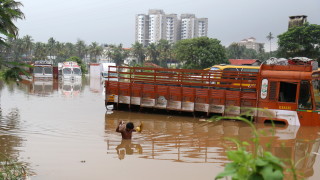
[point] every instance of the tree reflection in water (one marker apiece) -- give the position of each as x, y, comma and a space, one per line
9, 140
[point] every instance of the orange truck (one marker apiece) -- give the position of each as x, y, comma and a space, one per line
284, 91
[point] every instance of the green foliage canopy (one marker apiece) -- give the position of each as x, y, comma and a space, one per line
117, 54
300, 41
80, 63
200, 53
9, 11
138, 52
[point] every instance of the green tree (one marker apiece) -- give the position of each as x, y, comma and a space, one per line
302, 41
270, 37
80, 48
9, 12
27, 46
61, 52
70, 49
118, 54
138, 52
199, 53
40, 51
164, 49
95, 50
236, 51
153, 53
80, 63
51, 45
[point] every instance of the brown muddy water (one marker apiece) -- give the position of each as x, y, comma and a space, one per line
62, 131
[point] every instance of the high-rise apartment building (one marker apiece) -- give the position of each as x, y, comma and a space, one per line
171, 28
201, 27
142, 29
156, 17
187, 26
158, 25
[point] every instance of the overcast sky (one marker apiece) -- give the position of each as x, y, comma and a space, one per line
113, 21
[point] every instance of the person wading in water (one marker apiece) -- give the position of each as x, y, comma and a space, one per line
125, 129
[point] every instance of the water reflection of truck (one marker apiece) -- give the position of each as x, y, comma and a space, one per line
70, 88
183, 140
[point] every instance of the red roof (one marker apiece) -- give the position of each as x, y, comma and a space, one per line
242, 61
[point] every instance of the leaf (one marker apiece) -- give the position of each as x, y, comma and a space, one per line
236, 156
255, 176
229, 170
245, 143
261, 162
269, 173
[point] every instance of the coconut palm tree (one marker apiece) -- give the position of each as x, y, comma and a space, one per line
40, 51
139, 52
95, 50
70, 50
51, 46
270, 37
80, 48
27, 46
9, 12
117, 54
164, 48
153, 53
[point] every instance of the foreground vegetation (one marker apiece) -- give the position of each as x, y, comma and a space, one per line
257, 163
11, 170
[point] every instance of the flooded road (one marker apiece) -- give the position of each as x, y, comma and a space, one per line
62, 131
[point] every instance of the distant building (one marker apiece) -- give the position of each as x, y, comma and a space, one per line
171, 28
158, 25
142, 29
251, 43
155, 25
298, 20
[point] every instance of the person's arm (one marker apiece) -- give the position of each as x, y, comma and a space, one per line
118, 128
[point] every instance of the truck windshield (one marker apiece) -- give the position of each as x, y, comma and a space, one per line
316, 92
66, 71
37, 69
77, 71
47, 70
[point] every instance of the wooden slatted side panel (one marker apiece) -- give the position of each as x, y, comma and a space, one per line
111, 91
188, 99
248, 103
148, 95
136, 91
216, 101
124, 93
232, 102
161, 97
210, 91
175, 97
202, 100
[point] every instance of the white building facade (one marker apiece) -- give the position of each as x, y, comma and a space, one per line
158, 25
250, 43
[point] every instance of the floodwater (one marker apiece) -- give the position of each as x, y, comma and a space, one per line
62, 131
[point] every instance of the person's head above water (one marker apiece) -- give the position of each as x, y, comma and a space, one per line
130, 125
